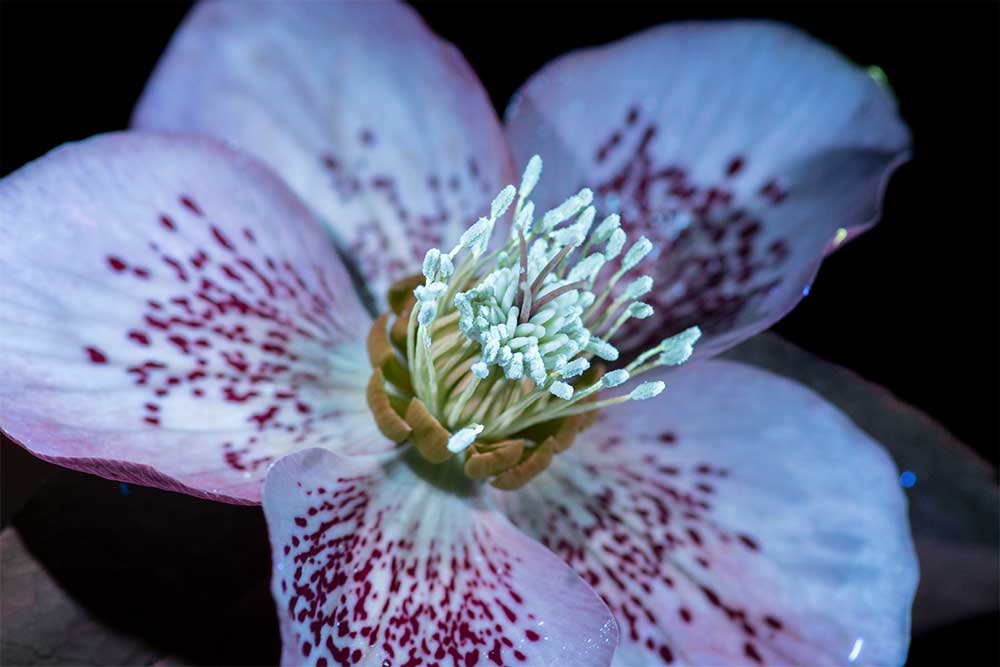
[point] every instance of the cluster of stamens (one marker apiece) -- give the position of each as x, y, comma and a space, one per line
491, 353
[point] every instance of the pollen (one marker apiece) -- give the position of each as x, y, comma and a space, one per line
495, 356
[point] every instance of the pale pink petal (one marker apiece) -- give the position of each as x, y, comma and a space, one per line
739, 520
380, 126
171, 315
954, 500
375, 565
743, 150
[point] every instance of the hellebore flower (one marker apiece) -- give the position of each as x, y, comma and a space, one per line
444, 484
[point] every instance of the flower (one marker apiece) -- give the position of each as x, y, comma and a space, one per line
175, 314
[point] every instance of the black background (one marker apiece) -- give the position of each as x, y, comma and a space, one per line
912, 305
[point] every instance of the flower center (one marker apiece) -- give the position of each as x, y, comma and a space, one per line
489, 355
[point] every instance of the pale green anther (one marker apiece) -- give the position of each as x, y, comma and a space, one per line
507, 302
536, 369
551, 346
646, 390
461, 440
474, 233
446, 268
432, 262
602, 349
639, 287
502, 202
512, 314
587, 268
518, 342
528, 329
428, 311
556, 361
515, 370
586, 219
615, 244
543, 316
565, 210
480, 370
606, 228
635, 254
575, 368
561, 390
615, 377
529, 179
503, 359
429, 292
572, 236
525, 217
678, 349
640, 310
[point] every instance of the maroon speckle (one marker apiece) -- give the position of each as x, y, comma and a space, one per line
713, 277
96, 356
189, 204
117, 264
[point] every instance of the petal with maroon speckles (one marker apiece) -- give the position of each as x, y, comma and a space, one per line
742, 520
172, 315
374, 565
378, 124
739, 148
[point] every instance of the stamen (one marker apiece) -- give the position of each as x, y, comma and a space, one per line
461, 440
678, 349
529, 179
647, 390
507, 334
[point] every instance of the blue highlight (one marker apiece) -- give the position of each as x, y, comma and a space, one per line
907, 479
805, 290
123, 488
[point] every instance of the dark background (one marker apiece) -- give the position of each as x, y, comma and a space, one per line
912, 305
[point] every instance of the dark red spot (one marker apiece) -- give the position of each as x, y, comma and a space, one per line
117, 265
734, 166
222, 239
190, 205
96, 356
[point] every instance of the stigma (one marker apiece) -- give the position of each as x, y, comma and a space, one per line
499, 353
